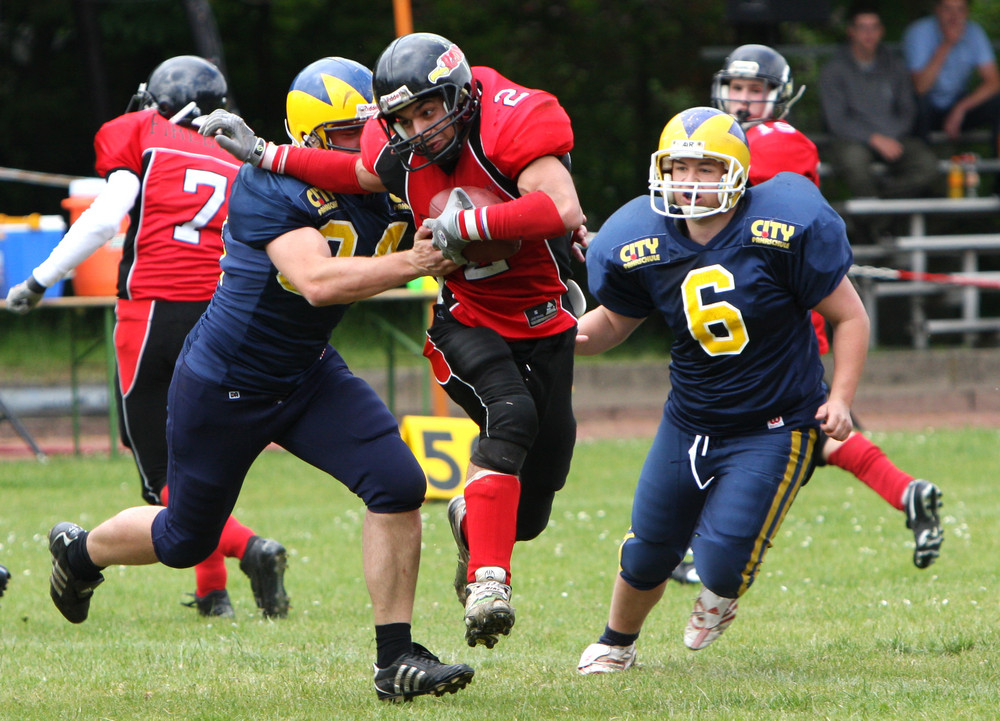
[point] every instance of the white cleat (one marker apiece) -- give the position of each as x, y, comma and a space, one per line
711, 616
601, 658
488, 613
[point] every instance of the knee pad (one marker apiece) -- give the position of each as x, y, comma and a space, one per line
185, 554
395, 494
511, 427
181, 548
499, 455
646, 565
721, 569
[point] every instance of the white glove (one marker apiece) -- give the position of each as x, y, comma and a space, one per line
576, 299
447, 237
233, 135
25, 296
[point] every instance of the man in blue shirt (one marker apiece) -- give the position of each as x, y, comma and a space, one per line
734, 270
942, 52
258, 368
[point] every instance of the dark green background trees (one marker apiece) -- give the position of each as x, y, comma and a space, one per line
620, 67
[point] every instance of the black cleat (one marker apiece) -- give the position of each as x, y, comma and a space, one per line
264, 561
921, 502
70, 594
213, 603
4, 577
685, 572
417, 673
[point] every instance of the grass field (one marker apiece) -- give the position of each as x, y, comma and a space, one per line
839, 626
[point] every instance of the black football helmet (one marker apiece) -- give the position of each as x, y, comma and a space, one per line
414, 67
181, 89
762, 63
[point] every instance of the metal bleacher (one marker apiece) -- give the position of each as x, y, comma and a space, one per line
911, 252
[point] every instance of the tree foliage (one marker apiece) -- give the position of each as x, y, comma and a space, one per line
621, 68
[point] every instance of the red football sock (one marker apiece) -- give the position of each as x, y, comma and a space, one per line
491, 520
210, 574
235, 536
869, 463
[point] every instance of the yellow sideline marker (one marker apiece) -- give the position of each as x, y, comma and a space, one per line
442, 446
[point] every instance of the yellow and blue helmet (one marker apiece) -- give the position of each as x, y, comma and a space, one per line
698, 133
328, 95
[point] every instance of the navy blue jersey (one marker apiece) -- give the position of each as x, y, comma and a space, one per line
258, 331
744, 356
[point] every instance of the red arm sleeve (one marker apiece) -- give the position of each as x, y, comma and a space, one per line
331, 170
531, 217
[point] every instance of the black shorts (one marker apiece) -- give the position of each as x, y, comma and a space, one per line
518, 392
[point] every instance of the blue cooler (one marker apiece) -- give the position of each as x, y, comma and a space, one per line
25, 241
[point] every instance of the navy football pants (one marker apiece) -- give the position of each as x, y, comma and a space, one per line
724, 496
333, 421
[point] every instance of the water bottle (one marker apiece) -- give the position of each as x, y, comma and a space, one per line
956, 178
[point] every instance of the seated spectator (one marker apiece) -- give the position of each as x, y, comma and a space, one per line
869, 107
942, 52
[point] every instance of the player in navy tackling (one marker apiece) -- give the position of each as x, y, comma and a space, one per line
258, 368
501, 342
174, 186
734, 271
755, 85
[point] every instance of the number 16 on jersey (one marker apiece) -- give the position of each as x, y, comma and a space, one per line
442, 446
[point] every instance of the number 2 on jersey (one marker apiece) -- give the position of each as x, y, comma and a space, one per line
718, 327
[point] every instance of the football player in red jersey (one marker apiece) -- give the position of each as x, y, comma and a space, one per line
756, 86
174, 185
501, 342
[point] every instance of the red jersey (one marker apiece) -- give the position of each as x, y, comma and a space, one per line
520, 297
174, 240
775, 146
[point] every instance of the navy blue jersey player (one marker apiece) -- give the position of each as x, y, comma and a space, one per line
735, 272
258, 368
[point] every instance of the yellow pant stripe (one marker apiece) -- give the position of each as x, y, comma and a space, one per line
795, 473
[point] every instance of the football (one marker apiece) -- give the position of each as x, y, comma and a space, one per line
480, 252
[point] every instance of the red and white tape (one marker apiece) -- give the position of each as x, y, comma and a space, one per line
978, 281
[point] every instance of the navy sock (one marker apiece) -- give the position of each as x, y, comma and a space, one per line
79, 559
611, 637
392, 640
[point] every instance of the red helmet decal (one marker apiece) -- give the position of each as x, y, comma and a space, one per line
446, 62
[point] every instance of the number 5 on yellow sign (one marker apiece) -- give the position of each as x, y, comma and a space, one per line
442, 446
